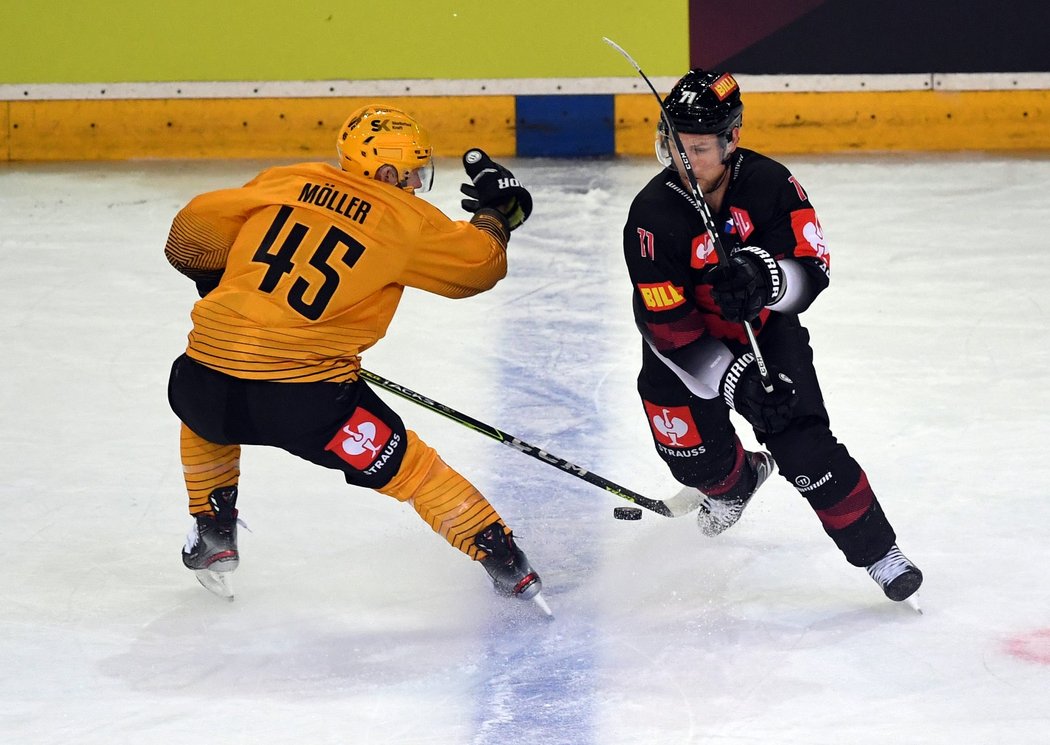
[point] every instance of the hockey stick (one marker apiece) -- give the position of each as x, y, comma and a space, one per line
680, 504
702, 207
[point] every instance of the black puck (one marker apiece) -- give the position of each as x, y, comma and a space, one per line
627, 513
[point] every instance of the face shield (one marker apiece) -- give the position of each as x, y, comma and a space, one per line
663, 145
422, 178
418, 180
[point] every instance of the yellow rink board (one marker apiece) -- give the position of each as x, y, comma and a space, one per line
876, 121
236, 128
305, 127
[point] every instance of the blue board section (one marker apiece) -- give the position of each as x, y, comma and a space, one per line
565, 126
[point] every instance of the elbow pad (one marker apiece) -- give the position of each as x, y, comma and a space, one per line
795, 295
701, 366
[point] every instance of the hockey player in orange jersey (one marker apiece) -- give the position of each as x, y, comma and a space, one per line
300, 271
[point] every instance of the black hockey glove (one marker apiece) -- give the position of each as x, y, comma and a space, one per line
742, 390
750, 281
494, 187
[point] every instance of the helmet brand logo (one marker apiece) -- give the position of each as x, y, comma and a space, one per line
389, 125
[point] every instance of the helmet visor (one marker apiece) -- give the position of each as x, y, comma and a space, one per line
425, 174
418, 180
663, 146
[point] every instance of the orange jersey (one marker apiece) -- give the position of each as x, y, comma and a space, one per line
313, 262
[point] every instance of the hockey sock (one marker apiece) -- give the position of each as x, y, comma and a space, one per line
206, 467
449, 504
858, 525
737, 484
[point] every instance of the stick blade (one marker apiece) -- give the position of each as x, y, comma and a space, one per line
685, 501
622, 51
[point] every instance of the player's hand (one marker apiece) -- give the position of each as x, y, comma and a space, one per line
747, 283
743, 391
494, 187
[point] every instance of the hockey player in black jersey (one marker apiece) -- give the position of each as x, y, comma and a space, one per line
697, 363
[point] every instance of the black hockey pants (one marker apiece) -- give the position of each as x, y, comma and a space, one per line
343, 426
697, 440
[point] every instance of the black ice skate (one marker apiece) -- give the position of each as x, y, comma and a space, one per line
897, 576
211, 544
717, 515
509, 568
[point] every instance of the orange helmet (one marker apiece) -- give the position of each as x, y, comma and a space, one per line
377, 135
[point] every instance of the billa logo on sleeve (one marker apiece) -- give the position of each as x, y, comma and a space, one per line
661, 296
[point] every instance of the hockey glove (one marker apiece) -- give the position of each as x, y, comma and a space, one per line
494, 187
749, 281
742, 390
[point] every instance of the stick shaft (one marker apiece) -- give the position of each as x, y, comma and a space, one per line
518, 444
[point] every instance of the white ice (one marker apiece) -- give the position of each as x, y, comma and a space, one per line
354, 623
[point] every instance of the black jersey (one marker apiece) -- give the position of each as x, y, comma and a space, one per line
668, 251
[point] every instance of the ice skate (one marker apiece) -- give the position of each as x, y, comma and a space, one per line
508, 566
211, 545
897, 576
716, 515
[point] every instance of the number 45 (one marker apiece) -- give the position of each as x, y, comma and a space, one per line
279, 263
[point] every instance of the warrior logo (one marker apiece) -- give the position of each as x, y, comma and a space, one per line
804, 483
673, 426
360, 441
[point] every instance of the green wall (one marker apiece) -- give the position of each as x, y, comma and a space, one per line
123, 41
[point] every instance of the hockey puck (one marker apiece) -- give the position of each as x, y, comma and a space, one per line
627, 513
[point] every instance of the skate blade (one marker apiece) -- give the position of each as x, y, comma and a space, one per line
542, 603
912, 602
217, 583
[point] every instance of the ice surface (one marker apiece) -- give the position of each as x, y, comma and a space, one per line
354, 623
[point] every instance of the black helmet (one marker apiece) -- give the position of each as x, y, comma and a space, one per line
705, 102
